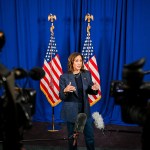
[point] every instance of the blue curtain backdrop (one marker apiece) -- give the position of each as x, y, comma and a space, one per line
120, 34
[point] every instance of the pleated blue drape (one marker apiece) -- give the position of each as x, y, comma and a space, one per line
120, 34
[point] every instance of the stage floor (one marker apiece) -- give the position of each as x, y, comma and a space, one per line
114, 137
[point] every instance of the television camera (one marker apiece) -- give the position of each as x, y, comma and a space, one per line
17, 105
133, 95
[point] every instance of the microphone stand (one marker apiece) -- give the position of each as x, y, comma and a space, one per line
75, 136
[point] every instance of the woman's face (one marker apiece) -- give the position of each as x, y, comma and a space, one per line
77, 64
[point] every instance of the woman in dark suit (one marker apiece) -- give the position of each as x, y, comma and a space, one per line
74, 89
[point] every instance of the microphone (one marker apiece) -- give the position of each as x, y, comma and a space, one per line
35, 73
98, 121
79, 126
80, 122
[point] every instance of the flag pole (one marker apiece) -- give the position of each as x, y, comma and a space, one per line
90, 60
52, 18
53, 128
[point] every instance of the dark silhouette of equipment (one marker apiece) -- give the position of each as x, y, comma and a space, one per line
35, 73
17, 105
133, 95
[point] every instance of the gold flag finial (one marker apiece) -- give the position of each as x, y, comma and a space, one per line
51, 18
89, 17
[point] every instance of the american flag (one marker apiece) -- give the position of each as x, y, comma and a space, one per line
90, 64
52, 67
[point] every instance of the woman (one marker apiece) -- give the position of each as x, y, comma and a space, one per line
74, 89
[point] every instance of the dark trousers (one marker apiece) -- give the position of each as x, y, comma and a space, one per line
88, 135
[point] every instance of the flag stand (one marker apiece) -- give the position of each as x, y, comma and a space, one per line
52, 49
54, 127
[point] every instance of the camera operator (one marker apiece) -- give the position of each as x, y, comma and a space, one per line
133, 95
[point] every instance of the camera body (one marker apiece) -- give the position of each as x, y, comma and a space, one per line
17, 104
22, 100
132, 93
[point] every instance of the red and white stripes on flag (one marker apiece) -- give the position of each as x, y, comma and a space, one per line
50, 83
52, 67
91, 65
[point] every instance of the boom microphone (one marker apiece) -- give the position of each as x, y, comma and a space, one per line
35, 73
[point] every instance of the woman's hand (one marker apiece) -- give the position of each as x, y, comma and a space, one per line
95, 86
69, 88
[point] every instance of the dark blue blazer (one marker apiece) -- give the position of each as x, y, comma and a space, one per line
70, 100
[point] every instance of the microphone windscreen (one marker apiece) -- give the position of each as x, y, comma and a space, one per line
37, 73
80, 122
98, 120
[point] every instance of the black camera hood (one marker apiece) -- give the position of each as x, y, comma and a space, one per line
136, 65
